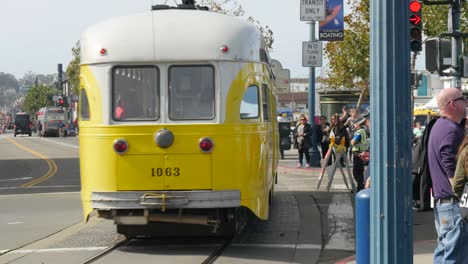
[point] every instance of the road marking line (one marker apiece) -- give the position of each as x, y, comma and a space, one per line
60, 143
15, 223
18, 179
52, 165
52, 250
38, 187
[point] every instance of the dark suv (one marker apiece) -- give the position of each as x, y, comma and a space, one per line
22, 124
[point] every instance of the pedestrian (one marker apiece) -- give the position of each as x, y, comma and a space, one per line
339, 132
303, 133
418, 130
359, 146
39, 128
349, 124
325, 142
444, 141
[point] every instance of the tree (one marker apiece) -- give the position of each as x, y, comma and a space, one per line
38, 97
232, 7
435, 20
73, 69
8, 81
349, 64
28, 79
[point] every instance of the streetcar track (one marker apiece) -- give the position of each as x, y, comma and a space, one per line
217, 253
121, 243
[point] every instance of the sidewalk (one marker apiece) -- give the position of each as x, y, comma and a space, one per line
424, 234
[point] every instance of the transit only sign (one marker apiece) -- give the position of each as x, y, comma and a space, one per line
312, 10
312, 54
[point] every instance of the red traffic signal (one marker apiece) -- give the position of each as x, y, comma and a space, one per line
415, 19
415, 25
415, 7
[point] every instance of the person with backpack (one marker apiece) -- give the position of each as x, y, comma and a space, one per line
445, 139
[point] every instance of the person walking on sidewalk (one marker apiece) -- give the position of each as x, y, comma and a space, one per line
303, 134
445, 139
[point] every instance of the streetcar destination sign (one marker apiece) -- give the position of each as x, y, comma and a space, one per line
312, 10
312, 54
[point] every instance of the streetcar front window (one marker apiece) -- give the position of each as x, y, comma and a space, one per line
135, 93
191, 92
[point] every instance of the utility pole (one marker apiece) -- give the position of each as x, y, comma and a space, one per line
391, 216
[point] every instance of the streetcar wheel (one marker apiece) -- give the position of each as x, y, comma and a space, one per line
128, 231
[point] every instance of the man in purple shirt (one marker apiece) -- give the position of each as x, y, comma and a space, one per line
444, 140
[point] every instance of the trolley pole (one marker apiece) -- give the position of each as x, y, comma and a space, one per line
391, 217
314, 152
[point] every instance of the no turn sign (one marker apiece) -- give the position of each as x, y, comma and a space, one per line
312, 54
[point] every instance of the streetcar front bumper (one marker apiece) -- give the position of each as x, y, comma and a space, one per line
165, 200
138, 208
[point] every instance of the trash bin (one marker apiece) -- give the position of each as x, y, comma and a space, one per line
285, 137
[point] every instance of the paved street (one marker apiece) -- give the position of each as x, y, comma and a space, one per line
43, 222
292, 235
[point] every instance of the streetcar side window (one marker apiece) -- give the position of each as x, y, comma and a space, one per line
191, 92
84, 106
265, 103
135, 93
249, 105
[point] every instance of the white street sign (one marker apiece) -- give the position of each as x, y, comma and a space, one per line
312, 54
312, 10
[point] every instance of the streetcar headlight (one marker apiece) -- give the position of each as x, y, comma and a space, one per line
120, 146
206, 145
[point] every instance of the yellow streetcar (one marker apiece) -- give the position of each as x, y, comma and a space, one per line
177, 120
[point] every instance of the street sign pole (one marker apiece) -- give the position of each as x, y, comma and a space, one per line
314, 152
312, 57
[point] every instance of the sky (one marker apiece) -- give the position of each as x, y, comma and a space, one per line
37, 35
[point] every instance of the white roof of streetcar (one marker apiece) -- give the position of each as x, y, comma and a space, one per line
172, 35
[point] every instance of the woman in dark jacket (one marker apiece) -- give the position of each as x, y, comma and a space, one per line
303, 133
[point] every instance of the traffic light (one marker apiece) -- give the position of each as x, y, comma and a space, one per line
60, 102
415, 26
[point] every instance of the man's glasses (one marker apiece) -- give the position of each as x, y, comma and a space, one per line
302, 119
458, 99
